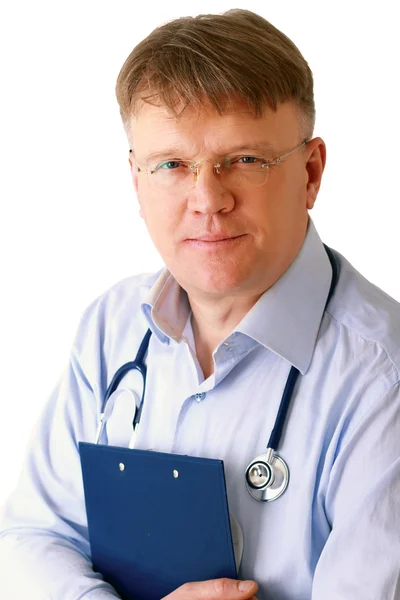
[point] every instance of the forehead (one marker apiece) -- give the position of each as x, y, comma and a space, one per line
153, 129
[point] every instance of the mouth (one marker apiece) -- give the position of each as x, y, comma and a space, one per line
215, 241
215, 237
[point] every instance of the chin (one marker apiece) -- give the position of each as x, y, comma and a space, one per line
212, 281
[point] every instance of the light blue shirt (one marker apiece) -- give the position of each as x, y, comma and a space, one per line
334, 534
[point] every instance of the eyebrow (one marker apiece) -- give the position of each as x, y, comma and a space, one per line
176, 152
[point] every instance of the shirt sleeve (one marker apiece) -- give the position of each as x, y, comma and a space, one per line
44, 547
361, 558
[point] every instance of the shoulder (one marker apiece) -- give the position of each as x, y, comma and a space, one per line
366, 314
130, 291
117, 309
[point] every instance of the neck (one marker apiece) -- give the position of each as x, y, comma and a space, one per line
213, 321
214, 318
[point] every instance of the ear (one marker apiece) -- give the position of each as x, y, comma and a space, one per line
135, 179
134, 173
315, 166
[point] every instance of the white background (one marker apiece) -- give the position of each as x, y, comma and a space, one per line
69, 220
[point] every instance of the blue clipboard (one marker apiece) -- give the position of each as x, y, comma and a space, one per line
156, 520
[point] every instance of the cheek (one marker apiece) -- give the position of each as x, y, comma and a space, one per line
285, 195
264, 209
272, 213
161, 218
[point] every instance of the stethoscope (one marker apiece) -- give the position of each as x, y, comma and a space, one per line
267, 476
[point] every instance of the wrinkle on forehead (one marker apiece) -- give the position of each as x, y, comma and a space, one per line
196, 131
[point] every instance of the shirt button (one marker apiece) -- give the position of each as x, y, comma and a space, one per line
200, 397
229, 345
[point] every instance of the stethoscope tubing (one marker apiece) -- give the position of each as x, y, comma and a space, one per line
280, 420
138, 365
269, 459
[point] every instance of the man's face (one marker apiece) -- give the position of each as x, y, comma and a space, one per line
220, 241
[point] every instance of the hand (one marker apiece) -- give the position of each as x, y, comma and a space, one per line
215, 589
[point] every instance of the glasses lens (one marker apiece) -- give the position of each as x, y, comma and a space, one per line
179, 177
249, 173
173, 176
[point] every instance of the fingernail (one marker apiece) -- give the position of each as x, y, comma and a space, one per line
245, 586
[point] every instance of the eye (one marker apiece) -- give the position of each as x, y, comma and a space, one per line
248, 159
168, 165
255, 162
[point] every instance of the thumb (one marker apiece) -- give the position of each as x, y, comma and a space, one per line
216, 589
245, 587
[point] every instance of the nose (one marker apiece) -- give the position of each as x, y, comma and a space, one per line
208, 195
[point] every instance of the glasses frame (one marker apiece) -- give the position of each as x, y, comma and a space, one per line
217, 165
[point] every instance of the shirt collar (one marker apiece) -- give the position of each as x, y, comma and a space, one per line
166, 308
286, 318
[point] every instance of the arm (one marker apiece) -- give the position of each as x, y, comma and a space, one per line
361, 558
44, 548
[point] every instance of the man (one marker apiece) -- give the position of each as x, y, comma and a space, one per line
219, 114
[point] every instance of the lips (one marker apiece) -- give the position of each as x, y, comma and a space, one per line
217, 237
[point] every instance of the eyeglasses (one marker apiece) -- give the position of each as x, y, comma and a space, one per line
180, 176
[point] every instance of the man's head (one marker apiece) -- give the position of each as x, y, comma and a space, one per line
205, 89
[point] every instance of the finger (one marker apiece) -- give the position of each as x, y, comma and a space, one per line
215, 589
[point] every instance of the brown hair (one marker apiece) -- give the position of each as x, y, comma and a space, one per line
235, 54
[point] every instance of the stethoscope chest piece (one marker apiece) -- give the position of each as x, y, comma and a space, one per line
267, 477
